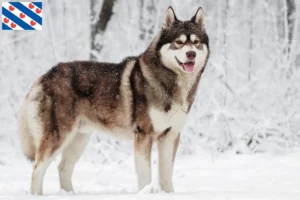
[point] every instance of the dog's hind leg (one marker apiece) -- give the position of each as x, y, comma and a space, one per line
39, 171
70, 156
48, 149
142, 148
167, 148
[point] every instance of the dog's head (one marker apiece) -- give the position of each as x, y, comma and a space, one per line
183, 45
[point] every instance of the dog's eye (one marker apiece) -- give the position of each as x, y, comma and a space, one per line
179, 42
196, 42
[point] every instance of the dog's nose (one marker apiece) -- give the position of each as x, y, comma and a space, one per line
191, 54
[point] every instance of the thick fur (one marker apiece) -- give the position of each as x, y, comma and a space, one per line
146, 98
27, 144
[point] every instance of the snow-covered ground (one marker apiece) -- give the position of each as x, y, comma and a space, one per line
202, 176
248, 100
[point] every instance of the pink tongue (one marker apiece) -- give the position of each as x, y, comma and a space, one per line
189, 67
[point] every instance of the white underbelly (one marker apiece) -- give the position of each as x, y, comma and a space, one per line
86, 127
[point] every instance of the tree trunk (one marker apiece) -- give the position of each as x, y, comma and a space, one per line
251, 39
98, 28
147, 20
290, 19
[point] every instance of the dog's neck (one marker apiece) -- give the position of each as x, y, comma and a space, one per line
166, 84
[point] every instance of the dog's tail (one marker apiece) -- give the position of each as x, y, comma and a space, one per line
27, 140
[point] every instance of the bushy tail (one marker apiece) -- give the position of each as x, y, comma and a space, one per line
27, 141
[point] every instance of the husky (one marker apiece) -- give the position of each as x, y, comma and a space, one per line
145, 98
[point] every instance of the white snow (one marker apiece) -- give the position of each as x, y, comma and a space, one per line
249, 94
200, 176
248, 101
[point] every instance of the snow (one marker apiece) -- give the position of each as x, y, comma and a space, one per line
248, 96
248, 101
198, 176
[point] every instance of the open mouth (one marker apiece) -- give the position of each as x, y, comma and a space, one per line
187, 66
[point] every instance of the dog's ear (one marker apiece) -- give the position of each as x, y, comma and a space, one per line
198, 18
170, 18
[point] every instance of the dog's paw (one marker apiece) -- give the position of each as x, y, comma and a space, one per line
151, 188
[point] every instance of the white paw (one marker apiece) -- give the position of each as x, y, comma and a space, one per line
151, 188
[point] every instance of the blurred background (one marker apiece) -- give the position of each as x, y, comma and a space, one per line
249, 96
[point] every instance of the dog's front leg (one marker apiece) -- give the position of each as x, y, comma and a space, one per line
142, 148
167, 148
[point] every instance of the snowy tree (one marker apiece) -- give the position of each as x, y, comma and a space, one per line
248, 99
99, 24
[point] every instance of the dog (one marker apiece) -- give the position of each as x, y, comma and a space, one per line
145, 98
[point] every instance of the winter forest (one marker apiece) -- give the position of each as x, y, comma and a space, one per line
247, 104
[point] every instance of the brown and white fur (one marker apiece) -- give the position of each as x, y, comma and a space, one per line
146, 98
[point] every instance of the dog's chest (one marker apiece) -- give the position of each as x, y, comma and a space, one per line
174, 118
